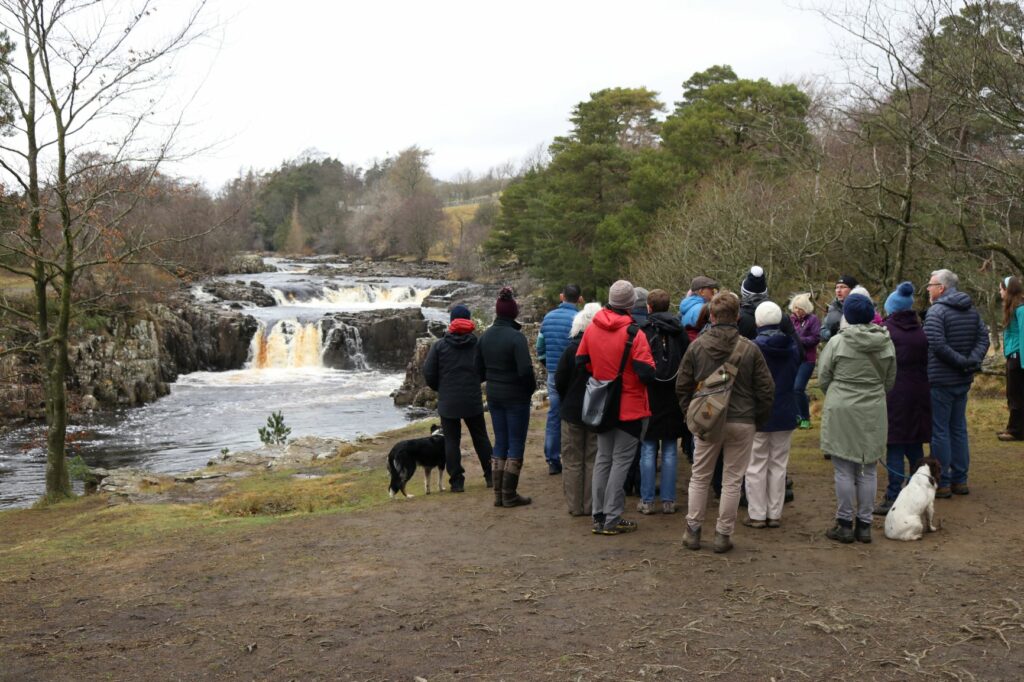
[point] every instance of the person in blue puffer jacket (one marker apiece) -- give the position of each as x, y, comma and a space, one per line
957, 343
555, 330
702, 290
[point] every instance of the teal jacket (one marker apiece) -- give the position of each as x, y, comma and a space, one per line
1011, 335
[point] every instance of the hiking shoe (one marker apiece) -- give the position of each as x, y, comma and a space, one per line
883, 507
645, 508
958, 489
459, 487
841, 532
554, 468
773, 523
862, 532
668, 507
722, 543
620, 526
755, 523
804, 424
488, 480
691, 537
943, 493
1007, 436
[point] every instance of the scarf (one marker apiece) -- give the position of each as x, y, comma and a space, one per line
461, 326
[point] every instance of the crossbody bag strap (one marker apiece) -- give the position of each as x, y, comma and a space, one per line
630, 335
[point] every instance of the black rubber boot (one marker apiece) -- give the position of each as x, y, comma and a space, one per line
497, 477
509, 496
841, 532
862, 532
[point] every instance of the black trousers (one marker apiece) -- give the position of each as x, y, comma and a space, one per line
452, 428
1015, 396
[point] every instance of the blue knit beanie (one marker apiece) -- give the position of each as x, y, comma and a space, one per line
858, 309
901, 299
459, 312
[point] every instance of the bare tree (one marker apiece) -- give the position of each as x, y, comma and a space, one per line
87, 143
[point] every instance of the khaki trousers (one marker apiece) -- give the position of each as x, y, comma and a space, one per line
579, 449
766, 474
735, 447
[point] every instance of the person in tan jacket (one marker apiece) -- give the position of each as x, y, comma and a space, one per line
750, 406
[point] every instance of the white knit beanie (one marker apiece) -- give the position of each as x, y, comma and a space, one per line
767, 313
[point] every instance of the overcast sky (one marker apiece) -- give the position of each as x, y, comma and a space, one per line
476, 83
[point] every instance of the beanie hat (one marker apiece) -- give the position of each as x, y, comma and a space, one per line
860, 290
622, 295
901, 299
641, 296
802, 302
459, 312
858, 309
767, 313
754, 282
848, 280
506, 305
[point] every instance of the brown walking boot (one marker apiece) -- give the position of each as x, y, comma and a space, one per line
497, 476
509, 496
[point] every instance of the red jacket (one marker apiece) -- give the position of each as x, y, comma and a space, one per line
602, 347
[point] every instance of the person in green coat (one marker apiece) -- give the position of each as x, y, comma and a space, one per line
856, 370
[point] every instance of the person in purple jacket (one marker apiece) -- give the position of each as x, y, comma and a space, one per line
808, 331
909, 403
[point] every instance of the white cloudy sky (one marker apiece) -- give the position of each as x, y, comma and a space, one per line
477, 83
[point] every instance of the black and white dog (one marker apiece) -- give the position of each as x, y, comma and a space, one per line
426, 452
913, 512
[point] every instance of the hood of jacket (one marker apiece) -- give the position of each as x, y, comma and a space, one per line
689, 303
907, 320
867, 338
774, 343
719, 341
506, 322
611, 321
750, 301
460, 340
956, 299
666, 322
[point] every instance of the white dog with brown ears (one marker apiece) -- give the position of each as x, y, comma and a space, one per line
913, 512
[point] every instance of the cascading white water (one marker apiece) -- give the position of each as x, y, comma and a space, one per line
288, 344
351, 295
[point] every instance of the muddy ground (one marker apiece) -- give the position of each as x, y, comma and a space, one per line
447, 586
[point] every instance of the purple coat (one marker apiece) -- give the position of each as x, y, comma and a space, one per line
808, 330
909, 403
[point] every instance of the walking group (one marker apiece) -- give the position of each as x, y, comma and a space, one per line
724, 379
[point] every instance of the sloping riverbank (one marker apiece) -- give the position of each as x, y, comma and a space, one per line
447, 587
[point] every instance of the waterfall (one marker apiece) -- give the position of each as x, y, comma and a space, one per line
288, 344
351, 340
355, 295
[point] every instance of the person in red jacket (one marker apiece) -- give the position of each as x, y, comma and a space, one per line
601, 351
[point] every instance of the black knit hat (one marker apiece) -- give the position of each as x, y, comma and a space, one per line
848, 280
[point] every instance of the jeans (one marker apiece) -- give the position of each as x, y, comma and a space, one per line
510, 422
894, 454
949, 432
452, 427
803, 375
553, 429
856, 485
648, 469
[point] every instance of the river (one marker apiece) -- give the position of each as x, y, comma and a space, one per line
208, 411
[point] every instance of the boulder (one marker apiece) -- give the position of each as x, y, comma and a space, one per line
252, 292
384, 338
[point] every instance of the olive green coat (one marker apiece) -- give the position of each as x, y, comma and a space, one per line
856, 370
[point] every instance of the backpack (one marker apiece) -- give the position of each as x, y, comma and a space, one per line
602, 397
705, 417
661, 351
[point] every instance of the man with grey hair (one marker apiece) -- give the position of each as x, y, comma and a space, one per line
957, 343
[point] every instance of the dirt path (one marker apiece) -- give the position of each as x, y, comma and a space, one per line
447, 586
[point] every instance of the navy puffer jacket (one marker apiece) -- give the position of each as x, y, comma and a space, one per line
957, 340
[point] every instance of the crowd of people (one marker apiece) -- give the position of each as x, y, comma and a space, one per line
724, 379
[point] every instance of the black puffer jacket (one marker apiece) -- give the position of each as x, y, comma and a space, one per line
747, 324
571, 383
503, 361
668, 344
450, 369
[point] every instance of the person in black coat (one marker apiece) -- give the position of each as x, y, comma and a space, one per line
450, 369
668, 343
579, 444
503, 361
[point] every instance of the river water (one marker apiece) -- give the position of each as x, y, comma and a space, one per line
208, 411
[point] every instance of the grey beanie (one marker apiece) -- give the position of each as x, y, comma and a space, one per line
622, 295
641, 296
